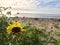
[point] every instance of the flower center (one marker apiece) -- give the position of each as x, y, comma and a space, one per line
16, 29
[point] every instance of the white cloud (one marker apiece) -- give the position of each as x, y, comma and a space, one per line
31, 4
16, 3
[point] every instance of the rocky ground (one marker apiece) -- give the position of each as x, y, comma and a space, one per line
49, 24
42, 23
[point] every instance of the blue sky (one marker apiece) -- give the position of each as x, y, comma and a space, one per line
37, 3
46, 3
33, 6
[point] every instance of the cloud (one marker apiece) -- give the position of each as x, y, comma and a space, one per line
16, 3
46, 3
31, 3
33, 6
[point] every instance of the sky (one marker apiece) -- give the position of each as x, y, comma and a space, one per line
33, 6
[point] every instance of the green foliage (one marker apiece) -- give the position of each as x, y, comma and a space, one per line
32, 36
9, 12
4, 22
57, 42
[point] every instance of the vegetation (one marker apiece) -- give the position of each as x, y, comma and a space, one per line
31, 35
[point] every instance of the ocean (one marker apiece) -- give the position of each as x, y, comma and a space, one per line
32, 14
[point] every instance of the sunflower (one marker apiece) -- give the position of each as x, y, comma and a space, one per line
15, 28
